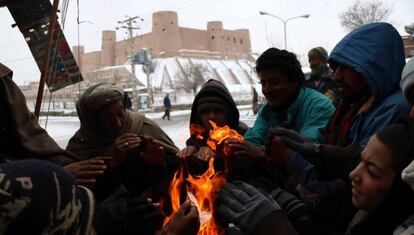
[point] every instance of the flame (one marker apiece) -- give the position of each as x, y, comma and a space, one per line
197, 131
219, 134
202, 190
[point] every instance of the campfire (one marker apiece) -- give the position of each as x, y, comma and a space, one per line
202, 189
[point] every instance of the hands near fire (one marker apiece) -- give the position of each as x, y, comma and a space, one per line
185, 221
153, 153
295, 142
245, 148
244, 205
204, 153
123, 145
85, 172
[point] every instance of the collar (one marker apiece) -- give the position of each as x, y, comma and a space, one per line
365, 106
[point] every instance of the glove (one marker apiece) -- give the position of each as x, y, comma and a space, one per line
290, 204
244, 205
295, 141
122, 214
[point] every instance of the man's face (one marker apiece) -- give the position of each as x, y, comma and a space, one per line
351, 83
314, 61
112, 118
277, 88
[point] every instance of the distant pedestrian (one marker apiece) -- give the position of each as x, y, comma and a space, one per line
255, 101
167, 107
127, 101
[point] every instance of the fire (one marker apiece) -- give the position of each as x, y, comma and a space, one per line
219, 135
197, 131
202, 190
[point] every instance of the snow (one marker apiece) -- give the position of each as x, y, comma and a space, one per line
61, 129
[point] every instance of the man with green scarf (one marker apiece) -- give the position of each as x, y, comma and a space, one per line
320, 76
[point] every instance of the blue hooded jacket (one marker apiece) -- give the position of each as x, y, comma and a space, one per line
376, 51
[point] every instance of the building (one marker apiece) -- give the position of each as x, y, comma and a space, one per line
169, 39
223, 54
408, 46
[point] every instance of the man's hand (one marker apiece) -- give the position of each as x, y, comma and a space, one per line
127, 142
153, 153
85, 172
278, 153
295, 141
245, 148
187, 152
244, 205
186, 221
123, 145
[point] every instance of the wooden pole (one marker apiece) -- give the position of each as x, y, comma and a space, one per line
45, 66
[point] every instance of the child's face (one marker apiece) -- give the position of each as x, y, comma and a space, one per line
373, 177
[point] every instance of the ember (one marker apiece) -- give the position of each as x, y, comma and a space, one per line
202, 190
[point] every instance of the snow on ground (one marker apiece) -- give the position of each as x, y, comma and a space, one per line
62, 128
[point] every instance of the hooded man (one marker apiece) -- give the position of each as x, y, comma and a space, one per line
320, 76
20, 133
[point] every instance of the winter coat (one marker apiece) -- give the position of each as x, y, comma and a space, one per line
167, 102
308, 115
375, 51
20, 134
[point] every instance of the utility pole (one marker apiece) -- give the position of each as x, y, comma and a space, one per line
131, 24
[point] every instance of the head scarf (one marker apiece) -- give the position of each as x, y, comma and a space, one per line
90, 141
38, 197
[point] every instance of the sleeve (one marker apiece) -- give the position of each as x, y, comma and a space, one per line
318, 115
256, 134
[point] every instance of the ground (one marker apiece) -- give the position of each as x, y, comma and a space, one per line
62, 128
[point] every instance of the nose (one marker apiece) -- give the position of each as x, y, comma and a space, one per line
354, 175
337, 76
118, 122
412, 113
212, 115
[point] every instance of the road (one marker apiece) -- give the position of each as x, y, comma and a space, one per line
62, 128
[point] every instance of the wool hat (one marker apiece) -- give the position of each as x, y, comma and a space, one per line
318, 52
407, 80
212, 102
38, 197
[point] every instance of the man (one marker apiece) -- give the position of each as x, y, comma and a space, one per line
167, 106
20, 133
367, 65
289, 104
320, 76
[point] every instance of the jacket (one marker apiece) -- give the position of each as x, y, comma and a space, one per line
308, 115
376, 51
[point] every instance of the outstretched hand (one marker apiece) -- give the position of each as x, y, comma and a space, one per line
244, 205
153, 153
295, 141
185, 221
85, 172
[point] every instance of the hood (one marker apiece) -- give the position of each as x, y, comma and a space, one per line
376, 51
214, 88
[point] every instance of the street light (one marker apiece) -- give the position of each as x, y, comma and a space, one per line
284, 21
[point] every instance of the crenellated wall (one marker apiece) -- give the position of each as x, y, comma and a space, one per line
168, 39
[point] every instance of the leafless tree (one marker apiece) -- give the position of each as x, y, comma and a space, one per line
410, 29
361, 13
192, 77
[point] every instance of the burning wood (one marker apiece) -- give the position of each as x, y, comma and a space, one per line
202, 190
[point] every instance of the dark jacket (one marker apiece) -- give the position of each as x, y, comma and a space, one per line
167, 102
